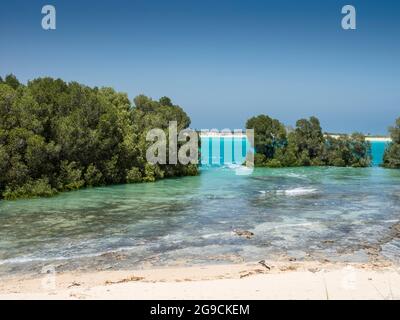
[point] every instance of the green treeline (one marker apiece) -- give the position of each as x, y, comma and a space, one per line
57, 136
305, 145
391, 158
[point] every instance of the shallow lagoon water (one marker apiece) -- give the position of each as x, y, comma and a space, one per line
306, 213
377, 152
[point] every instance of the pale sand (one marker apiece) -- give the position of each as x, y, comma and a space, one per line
367, 138
212, 134
237, 281
378, 139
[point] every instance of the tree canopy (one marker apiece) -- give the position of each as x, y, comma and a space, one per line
270, 134
305, 145
391, 158
57, 136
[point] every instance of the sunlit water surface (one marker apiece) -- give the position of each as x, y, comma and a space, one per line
306, 213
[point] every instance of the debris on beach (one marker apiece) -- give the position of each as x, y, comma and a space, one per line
395, 230
288, 268
79, 296
132, 278
264, 264
247, 273
74, 284
236, 258
114, 256
243, 233
244, 275
372, 249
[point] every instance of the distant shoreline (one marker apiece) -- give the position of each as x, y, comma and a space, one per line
243, 135
222, 134
378, 139
367, 138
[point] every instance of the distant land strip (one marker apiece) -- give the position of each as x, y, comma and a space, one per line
227, 134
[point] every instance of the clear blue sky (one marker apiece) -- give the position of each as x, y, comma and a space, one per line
223, 61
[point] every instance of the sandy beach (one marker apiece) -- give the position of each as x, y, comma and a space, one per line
303, 280
367, 138
378, 139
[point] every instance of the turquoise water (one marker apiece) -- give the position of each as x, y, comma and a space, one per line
377, 150
226, 150
307, 213
219, 151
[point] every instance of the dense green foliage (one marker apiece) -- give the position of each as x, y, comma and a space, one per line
271, 134
391, 158
57, 136
306, 145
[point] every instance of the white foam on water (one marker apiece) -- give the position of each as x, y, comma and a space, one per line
390, 221
296, 175
23, 260
290, 225
263, 227
297, 191
214, 235
232, 166
243, 171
